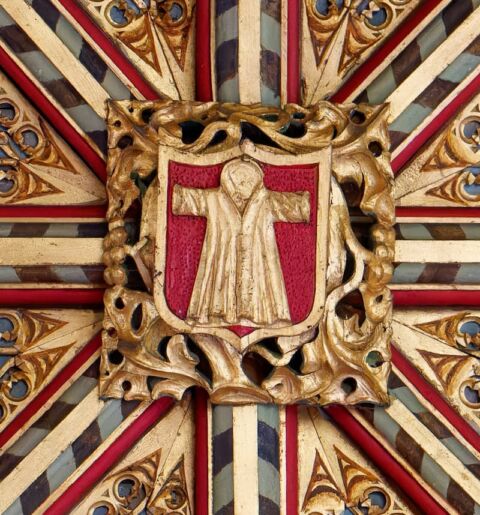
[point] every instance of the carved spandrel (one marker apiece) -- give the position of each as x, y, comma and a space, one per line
36, 166
36, 345
157, 36
334, 476
338, 36
340, 353
446, 171
156, 475
443, 349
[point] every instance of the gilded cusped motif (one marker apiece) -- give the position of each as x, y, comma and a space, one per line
260, 264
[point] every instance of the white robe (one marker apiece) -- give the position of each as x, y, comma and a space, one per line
239, 279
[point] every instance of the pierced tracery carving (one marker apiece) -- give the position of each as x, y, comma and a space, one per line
344, 357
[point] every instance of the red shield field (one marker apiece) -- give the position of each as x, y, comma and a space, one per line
296, 241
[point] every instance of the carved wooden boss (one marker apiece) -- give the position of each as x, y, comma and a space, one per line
256, 284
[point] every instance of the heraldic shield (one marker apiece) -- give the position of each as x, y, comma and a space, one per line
242, 239
258, 267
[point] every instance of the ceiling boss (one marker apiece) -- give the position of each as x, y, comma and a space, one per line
249, 252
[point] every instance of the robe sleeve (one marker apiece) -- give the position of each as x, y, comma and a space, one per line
290, 207
189, 201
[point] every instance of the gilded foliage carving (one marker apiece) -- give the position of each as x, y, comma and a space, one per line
341, 35
345, 358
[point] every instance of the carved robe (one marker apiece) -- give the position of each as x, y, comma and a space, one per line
239, 280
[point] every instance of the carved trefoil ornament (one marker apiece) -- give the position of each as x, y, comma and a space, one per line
247, 275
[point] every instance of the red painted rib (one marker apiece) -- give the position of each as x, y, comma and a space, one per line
53, 115
385, 50
291, 434
441, 212
434, 398
293, 51
203, 70
384, 461
53, 212
114, 53
54, 297
436, 298
47, 393
201, 452
437, 123
87, 481
204, 93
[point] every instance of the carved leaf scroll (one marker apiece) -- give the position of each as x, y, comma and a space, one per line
346, 358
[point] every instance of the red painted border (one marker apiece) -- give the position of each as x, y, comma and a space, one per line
434, 398
53, 212
203, 65
293, 51
201, 452
436, 298
384, 461
87, 481
54, 116
53, 297
114, 53
400, 33
42, 398
291, 444
437, 123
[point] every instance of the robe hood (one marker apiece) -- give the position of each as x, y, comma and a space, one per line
227, 182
